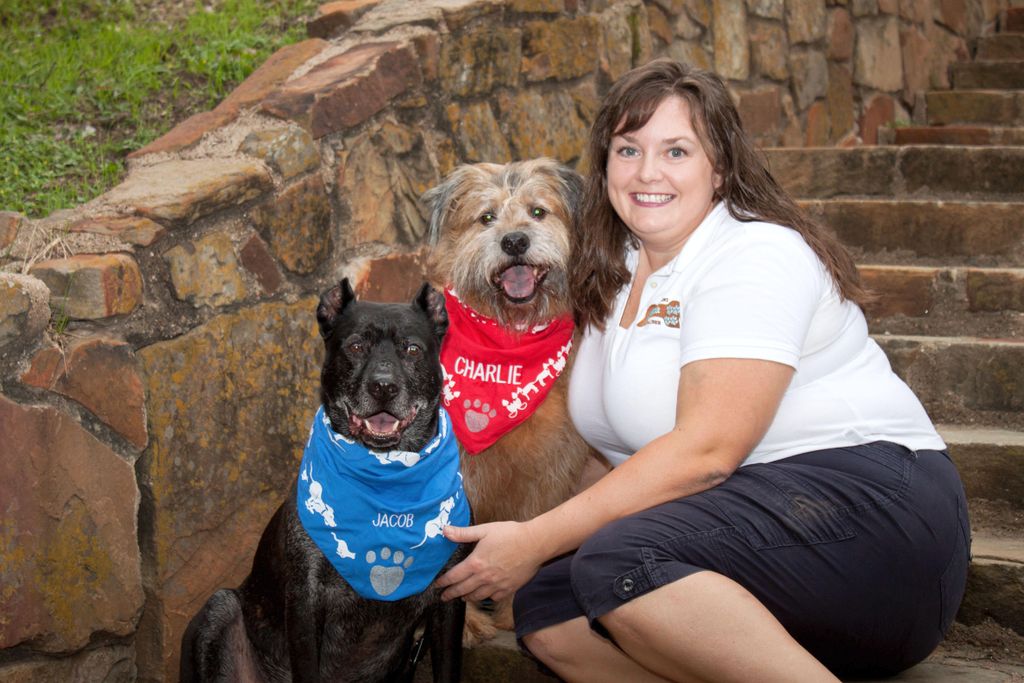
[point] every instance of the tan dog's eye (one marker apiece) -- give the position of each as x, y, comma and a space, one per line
488, 218
538, 212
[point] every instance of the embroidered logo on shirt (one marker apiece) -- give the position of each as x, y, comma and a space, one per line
664, 312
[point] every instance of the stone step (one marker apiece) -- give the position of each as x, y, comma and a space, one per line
932, 171
1001, 46
916, 300
984, 75
993, 107
962, 380
995, 584
1013, 20
926, 232
955, 135
991, 464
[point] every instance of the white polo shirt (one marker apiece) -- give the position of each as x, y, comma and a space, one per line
743, 290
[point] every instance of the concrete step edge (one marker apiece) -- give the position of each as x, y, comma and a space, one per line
1007, 270
950, 341
954, 434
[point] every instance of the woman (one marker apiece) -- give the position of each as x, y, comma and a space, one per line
781, 507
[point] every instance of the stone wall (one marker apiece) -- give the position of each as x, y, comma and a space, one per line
158, 349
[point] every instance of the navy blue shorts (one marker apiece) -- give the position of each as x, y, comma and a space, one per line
861, 553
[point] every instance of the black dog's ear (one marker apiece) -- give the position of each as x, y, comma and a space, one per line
431, 302
332, 303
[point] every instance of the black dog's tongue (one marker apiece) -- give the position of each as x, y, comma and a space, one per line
382, 423
518, 281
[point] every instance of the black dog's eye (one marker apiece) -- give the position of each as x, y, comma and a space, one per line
356, 347
412, 349
488, 218
538, 212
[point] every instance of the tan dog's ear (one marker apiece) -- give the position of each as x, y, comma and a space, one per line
431, 302
443, 200
571, 184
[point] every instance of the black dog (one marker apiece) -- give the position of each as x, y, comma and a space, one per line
295, 618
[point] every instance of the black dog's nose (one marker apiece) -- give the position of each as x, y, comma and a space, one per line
382, 388
515, 243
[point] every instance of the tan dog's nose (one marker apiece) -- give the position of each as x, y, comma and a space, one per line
515, 243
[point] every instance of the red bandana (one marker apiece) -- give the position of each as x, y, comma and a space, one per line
493, 380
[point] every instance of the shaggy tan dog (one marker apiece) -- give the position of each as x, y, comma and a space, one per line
502, 236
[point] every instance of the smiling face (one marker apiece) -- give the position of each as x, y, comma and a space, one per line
660, 180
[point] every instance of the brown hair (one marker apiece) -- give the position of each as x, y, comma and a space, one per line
749, 191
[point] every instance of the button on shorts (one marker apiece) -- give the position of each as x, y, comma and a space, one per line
860, 552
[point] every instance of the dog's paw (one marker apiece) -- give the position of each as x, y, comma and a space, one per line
480, 416
479, 626
386, 578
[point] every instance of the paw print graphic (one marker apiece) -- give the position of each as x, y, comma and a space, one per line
478, 418
386, 578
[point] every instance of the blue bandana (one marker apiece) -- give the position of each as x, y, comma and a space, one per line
378, 516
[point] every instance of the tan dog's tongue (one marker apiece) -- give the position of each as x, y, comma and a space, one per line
518, 281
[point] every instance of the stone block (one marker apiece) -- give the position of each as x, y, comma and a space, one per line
364, 184
953, 14
686, 28
993, 108
967, 172
915, 49
902, 290
1002, 46
136, 230
346, 89
477, 61
864, 8
289, 151
617, 37
817, 133
109, 664
394, 278
297, 225
840, 101
995, 291
916, 11
690, 53
10, 221
880, 111
877, 60
428, 48
334, 17
24, 308
769, 50
988, 76
230, 404
840, 34
658, 24
545, 6
561, 49
761, 111
700, 10
810, 76
101, 374
461, 13
255, 257
769, 9
477, 131
185, 191
731, 41
69, 553
830, 172
205, 272
90, 287
805, 20
188, 133
543, 124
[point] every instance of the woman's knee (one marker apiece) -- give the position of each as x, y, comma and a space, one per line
556, 646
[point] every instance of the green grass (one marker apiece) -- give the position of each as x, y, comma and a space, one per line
85, 82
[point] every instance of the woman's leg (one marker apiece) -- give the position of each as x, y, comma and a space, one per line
576, 652
706, 627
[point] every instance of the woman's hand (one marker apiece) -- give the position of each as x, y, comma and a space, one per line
504, 559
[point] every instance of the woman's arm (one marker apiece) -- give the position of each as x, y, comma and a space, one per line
724, 407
